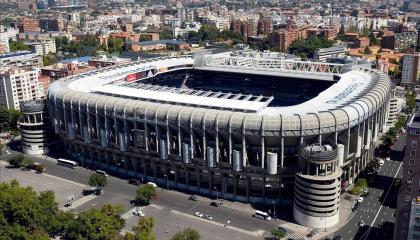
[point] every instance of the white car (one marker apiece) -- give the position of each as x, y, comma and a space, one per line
152, 184
138, 212
388, 159
361, 223
360, 199
198, 214
7, 152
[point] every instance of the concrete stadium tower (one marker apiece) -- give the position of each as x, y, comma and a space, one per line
317, 186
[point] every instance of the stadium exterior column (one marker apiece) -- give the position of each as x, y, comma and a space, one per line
244, 153
230, 140
146, 133
262, 150
168, 135
281, 151
179, 134
157, 131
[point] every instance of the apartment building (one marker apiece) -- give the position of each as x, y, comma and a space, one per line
407, 224
396, 104
247, 28
43, 47
282, 38
4, 43
19, 85
23, 59
399, 41
26, 24
411, 70
322, 54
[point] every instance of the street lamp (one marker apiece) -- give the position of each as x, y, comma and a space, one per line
167, 184
274, 208
217, 194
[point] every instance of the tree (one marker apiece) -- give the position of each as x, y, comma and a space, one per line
8, 119
187, 233
97, 180
306, 47
166, 33
278, 233
145, 193
367, 50
144, 229
145, 37
94, 224
17, 161
18, 45
115, 45
49, 59
373, 41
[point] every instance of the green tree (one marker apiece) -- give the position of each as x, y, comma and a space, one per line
367, 50
97, 180
18, 45
17, 161
306, 47
144, 229
278, 233
187, 233
145, 37
49, 59
95, 224
373, 41
8, 119
166, 33
145, 193
115, 45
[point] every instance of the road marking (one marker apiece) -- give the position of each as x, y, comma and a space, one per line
64, 180
349, 232
257, 233
380, 208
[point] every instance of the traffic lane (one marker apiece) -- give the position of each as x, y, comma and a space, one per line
220, 214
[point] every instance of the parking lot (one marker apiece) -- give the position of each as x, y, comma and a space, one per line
43, 182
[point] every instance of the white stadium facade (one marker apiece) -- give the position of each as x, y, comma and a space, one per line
244, 128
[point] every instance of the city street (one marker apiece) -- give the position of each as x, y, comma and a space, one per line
378, 208
118, 191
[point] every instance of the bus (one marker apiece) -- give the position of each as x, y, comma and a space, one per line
66, 163
262, 215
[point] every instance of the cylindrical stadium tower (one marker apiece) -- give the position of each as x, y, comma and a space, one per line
33, 128
317, 187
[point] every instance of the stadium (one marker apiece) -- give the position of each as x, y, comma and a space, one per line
221, 124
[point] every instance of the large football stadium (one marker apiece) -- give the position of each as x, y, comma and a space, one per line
220, 124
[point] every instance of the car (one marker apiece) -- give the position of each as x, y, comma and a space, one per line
361, 223
198, 214
208, 217
381, 162
216, 204
388, 159
152, 184
365, 192
89, 191
7, 152
360, 200
193, 198
138, 212
134, 181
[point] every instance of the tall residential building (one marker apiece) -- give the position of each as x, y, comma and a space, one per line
19, 85
51, 24
265, 25
246, 28
20, 59
411, 70
400, 41
407, 224
282, 38
26, 24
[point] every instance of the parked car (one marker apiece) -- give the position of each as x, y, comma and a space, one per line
89, 191
360, 200
138, 212
134, 181
153, 184
216, 204
361, 223
7, 152
388, 159
198, 214
193, 198
208, 217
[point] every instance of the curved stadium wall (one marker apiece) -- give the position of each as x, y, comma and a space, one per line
248, 156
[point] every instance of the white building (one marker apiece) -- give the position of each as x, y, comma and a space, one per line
20, 59
4, 42
322, 54
396, 104
411, 70
19, 85
11, 32
43, 47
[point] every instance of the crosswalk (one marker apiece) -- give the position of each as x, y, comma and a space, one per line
294, 236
